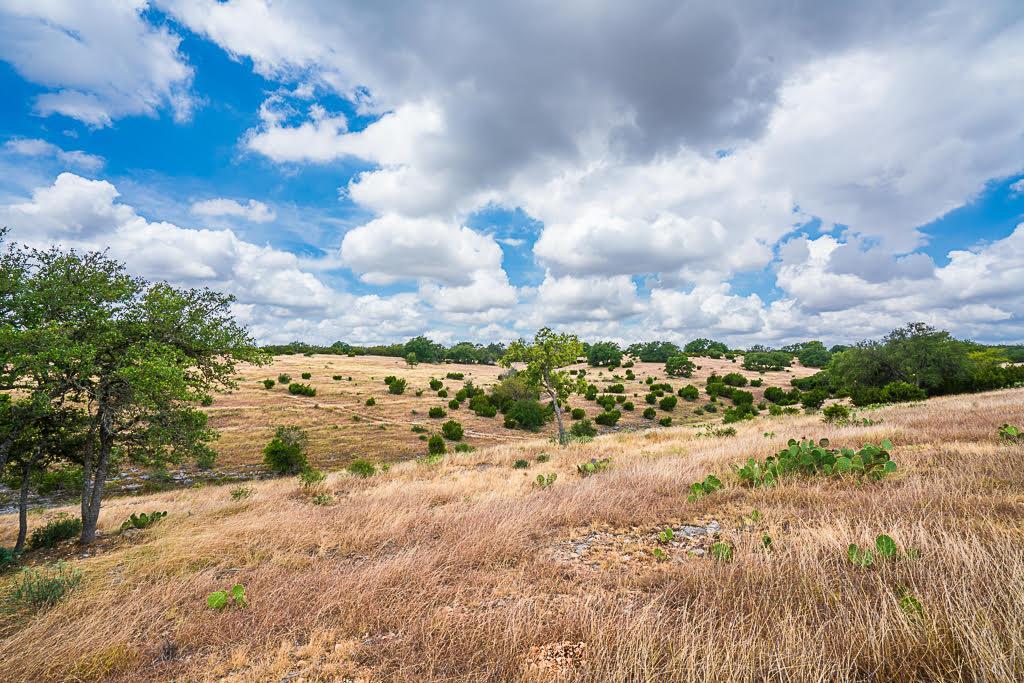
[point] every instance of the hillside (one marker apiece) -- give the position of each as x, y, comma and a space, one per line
467, 571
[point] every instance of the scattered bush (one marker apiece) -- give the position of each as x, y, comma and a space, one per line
9, 559
608, 418
668, 403
650, 413
268, 384
585, 469
756, 382
767, 361
901, 392
464, 448
615, 389
454, 375
665, 421
286, 452
361, 468
370, 402
735, 379
436, 412
578, 413
628, 405
435, 384
36, 588
689, 393
836, 413
435, 445
520, 464
679, 366
808, 458
283, 378
583, 429
301, 389
526, 414
336, 378
56, 530
452, 430
443, 393
307, 375
454, 404
142, 520
397, 386
814, 399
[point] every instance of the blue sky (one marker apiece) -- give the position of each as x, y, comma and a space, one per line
748, 172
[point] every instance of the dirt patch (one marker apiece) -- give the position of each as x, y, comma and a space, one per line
611, 548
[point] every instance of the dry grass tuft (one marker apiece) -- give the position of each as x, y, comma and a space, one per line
447, 572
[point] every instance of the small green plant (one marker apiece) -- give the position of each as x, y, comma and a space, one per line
435, 384
454, 375
885, 549
463, 448
665, 422
431, 459
585, 469
543, 457
659, 554
397, 386
362, 468
241, 492
1011, 433
436, 412
9, 559
370, 402
283, 378
419, 429
336, 378
665, 536
435, 445
578, 413
268, 384
142, 520
36, 588
583, 429
520, 464
808, 458
322, 499
301, 389
218, 600
712, 432
452, 430
721, 551
650, 413
700, 489
286, 452
608, 418
55, 531
909, 604
307, 375
837, 413
544, 481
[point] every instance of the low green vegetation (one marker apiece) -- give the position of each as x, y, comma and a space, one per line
699, 489
361, 468
808, 458
286, 452
35, 588
142, 520
301, 389
62, 528
593, 466
234, 596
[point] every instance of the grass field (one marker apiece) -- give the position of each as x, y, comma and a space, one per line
342, 428
465, 571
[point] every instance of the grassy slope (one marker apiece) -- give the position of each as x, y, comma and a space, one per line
447, 572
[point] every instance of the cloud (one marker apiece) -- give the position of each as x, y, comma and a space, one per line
253, 210
100, 61
34, 147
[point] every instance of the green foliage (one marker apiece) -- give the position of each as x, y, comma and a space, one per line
142, 520
808, 458
307, 375
704, 347
578, 413
885, 549
604, 353
593, 466
268, 384
545, 481
615, 388
812, 354
520, 464
653, 352
370, 402
411, 360
608, 418
679, 366
766, 361
435, 384
419, 429
689, 392
435, 445
301, 389
1011, 433
241, 492
700, 489
36, 588
481, 405
722, 552
454, 375
336, 378
464, 448
900, 392
650, 413
454, 404
526, 414
286, 452
668, 403
628, 405
436, 412
219, 600
452, 430
583, 429
56, 530
362, 468
284, 378
735, 379
837, 413
397, 386
9, 559
443, 393
814, 399
665, 421
544, 358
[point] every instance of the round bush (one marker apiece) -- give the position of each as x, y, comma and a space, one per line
286, 452
578, 413
668, 403
650, 413
689, 392
454, 404
608, 418
628, 405
436, 412
583, 429
435, 384
665, 421
268, 384
371, 402
435, 445
362, 468
307, 375
452, 430
899, 392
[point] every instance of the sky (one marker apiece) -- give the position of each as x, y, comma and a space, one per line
757, 172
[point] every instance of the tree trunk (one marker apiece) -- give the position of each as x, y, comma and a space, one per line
558, 411
92, 488
26, 470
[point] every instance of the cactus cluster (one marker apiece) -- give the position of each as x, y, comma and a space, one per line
809, 458
143, 520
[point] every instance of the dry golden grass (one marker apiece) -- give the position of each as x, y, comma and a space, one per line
446, 572
246, 419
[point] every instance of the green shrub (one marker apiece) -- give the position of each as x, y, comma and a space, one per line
418, 429
56, 530
651, 398
306, 375
1011, 433
218, 600
901, 392
756, 382
665, 421
679, 366
689, 393
836, 413
520, 464
526, 414
650, 413
301, 389
436, 412
268, 384
435, 384
142, 520
443, 394
585, 469
481, 405
735, 379
452, 430
865, 396
435, 445
464, 448
710, 407
766, 361
808, 458
36, 588
814, 399
362, 468
336, 378
700, 489
583, 429
389, 379
283, 378
370, 402
668, 403
286, 452
628, 405
397, 386
454, 375
454, 404
615, 388
9, 559
241, 492
608, 418
606, 402
578, 413
741, 397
